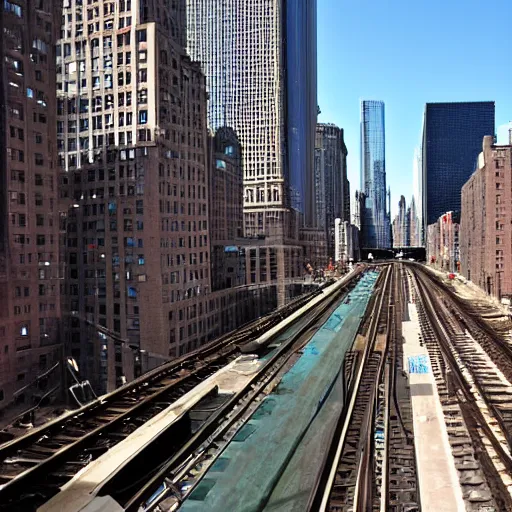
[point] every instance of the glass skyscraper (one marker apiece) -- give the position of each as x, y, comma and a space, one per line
376, 223
259, 58
452, 140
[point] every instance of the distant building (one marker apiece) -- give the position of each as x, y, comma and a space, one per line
486, 235
376, 232
417, 190
452, 138
401, 225
331, 181
314, 241
414, 225
443, 243
225, 205
405, 225
346, 242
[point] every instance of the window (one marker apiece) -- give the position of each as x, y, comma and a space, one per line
142, 96
143, 75
143, 116
132, 292
38, 180
142, 35
13, 8
40, 240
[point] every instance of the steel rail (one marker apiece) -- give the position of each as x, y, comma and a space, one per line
16, 485
444, 344
322, 489
216, 426
491, 406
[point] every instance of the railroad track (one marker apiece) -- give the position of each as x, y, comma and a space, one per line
35, 466
397, 474
173, 470
474, 391
176, 477
347, 479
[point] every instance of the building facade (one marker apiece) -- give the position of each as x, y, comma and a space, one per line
443, 246
29, 218
330, 180
417, 190
346, 242
486, 237
452, 140
132, 140
225, 202
259, 58
401, 225
377, 231
414, 225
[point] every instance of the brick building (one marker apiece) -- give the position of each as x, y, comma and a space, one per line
134, 177
226, 209
486, 234
29, 221
443, 245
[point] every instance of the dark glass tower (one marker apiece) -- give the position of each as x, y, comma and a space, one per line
376, 232
452, 140
301, 102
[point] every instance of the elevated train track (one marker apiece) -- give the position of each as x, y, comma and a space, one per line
370, 463
34, 467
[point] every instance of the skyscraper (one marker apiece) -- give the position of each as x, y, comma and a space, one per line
259, 58
414, 224
452, 141
29, 217
376, 231
417, 185
330, 180
400, 225
132, 155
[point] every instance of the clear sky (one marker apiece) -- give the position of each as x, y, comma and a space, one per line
408, 53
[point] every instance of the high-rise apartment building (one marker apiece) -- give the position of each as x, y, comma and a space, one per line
330, 180
376, 233
259, 58
486, 217
132, 159
452, 139
29, 218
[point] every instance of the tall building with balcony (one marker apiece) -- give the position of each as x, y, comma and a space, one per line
452, 140
486, 217
132, 160
376, 233
331, 181
259, 58
29, 218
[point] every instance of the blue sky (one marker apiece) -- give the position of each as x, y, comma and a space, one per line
407, 53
